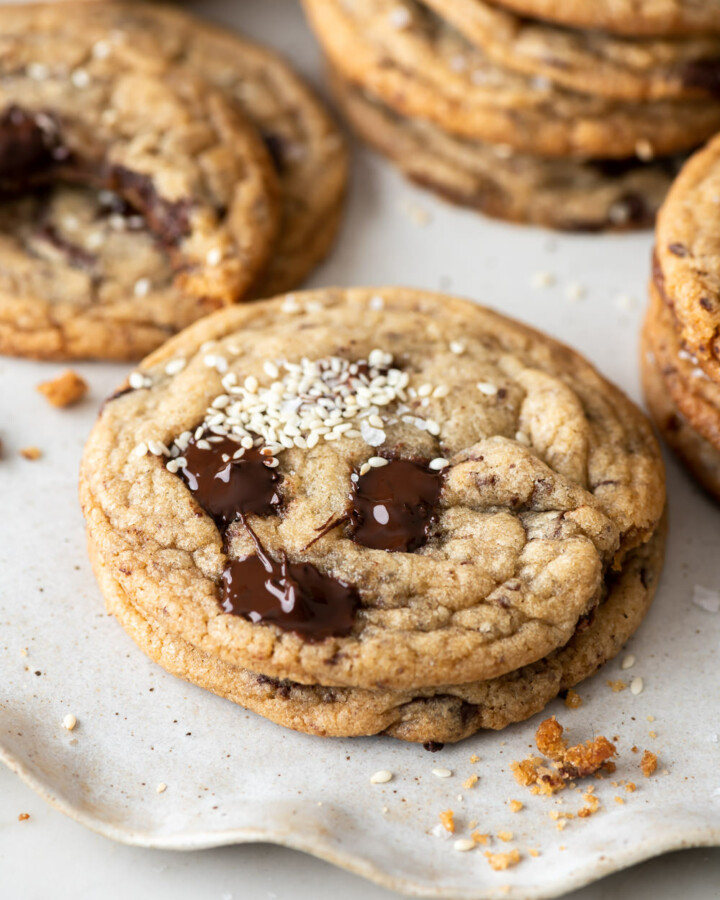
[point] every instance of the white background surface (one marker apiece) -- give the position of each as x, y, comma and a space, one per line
49, 855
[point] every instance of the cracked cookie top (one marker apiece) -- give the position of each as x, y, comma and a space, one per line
372, 488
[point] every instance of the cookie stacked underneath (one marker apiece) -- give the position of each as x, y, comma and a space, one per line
681, 338
153, 168
529, 119
363, 511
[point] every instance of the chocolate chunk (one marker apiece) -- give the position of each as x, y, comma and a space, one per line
168, 220
30, 145
294, 596
275, 146
678, 250
433, 746
703, 74
393, 505
228, 488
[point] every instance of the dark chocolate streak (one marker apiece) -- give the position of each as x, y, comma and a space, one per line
294, 596
33, 153
703, 74
393, 507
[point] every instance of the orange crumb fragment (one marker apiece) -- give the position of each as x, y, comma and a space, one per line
592, 805
447, 820
515, 806
620, 800
549, 739
23, 817
648, 763
501, 861
64, 390
616, 686
561, 825
31, 452
635, 749
480, 838
471, 781
573, 700
534, 852
653, 734
630, 787
505, 836
474, 759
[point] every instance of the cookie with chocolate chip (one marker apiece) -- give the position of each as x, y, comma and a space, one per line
651, 17
443, 714
688, 257
589, 61
417, 64
572, 195
382, 490
166, 168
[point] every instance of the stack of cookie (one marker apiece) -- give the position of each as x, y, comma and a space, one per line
528, 119
374, 511
681, 338
153, 168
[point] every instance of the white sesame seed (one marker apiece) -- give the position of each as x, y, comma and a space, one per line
69, 722
442, 390
542, 279
141, 449
175, 366
644, 150
438, 464
628, 662
457, 347
574, 291
270, 369
522, 438
376, 302
251, 384
486, 388
172, 466
425, 390
381, 777
290, 304
202, 444
365, 468
38, 71
463, 845
137, 380
142, 287
161, 788
214, 257
399, 17
636, 685
101, 50
157, 448
442, 773
706, 599
625, 302
271, 463
377, 462
80, 78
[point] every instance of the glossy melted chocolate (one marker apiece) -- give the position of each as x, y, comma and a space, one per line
229, 488
294, 596
393, 506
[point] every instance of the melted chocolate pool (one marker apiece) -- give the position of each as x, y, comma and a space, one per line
393, 507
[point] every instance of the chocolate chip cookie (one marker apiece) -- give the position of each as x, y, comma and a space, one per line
568, 194
418, 65
651, 17
386, 490
207, 193
591, 61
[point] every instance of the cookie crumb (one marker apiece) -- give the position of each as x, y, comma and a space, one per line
648, 763
64, 390
515, 806
620, 800
161, 788
501, 861
31, 453
480, 838
23, 817
505, 836
471, 781
381, 777
616, 686
474, 759
573, 700
69, 722
447, 820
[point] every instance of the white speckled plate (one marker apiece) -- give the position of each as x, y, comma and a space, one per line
233, 777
